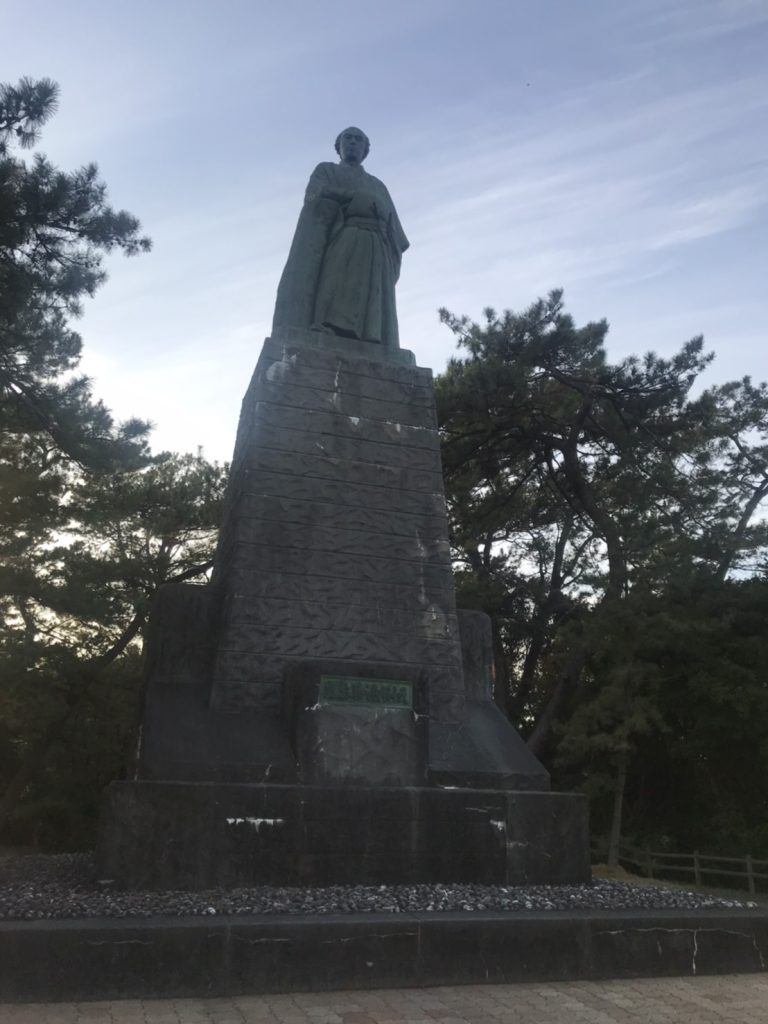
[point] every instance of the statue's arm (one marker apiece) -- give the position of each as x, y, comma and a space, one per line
398, 242
322, 186
296, 290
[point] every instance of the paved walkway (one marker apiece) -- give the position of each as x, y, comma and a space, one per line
729, 999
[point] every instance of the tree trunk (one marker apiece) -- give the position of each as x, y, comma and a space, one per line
616, 585
566, 686
500, 670
734, 541
618, 803
539, 628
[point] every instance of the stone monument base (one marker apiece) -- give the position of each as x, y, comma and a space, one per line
321, 713
244, 954
182, 835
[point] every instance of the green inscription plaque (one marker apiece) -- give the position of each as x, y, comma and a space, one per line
365, 693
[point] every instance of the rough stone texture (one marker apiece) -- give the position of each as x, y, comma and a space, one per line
232, 835
482, 750
226, 956
333, 560
181, 737
356, 745
360, 520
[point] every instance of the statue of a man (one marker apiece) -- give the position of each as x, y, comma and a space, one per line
346, 252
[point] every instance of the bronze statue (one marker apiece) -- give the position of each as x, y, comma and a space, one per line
346, 252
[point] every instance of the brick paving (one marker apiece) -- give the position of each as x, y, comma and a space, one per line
720, 999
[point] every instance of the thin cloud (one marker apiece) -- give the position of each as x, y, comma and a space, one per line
704, 19
587, 198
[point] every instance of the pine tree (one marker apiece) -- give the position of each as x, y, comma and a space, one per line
586, 496
91, 524
55, 228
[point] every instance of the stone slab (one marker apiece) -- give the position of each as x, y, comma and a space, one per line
431, 622
317, 349
483, 751
184, 739
197, 835
293, 512
314, 397
343, 425
341, 742
300, 642
341, 376
423, 546
267, 670
268, 457
339, 590
178, 641
295, 642
290, 440
253, 683
81, 960
245, 561
338, 491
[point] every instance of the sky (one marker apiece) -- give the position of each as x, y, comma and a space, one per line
615, 148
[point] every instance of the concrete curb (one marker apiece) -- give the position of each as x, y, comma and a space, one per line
203, 957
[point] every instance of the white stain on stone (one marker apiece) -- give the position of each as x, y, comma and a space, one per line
434, 620
276, 371
411, 426
256, 822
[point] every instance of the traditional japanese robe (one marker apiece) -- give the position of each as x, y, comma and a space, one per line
345, 258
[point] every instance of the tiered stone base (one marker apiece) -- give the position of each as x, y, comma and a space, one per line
177, 835
215, 956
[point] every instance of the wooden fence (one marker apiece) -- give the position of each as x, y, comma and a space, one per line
657, 864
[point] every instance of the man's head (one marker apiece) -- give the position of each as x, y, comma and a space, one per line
352, 145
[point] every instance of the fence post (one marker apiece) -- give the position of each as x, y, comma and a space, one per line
750, 875
648, 863
696, 868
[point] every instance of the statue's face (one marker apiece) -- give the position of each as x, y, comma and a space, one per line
352, 145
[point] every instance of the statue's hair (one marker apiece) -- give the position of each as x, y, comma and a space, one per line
337, 144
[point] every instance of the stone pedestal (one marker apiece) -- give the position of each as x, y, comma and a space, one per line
334, 543
223, 835
328, 652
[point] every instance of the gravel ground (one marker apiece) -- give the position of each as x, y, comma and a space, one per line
66, 886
